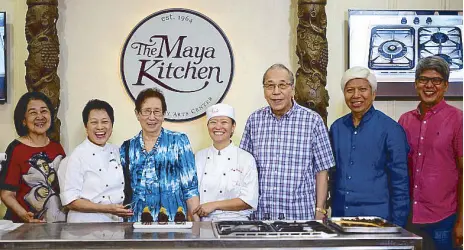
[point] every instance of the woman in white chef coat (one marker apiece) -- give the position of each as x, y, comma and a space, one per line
227, 175
91, 179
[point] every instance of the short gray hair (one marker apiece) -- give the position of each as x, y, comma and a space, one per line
436, 63
281, 66
359, 72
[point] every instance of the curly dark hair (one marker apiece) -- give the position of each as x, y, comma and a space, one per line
39, 156
21, 109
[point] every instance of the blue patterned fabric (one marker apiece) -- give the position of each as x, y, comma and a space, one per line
165, 176
289, 152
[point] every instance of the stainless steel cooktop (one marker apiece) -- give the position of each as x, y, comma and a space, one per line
306, 229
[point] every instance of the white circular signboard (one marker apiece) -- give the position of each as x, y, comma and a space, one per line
185, 55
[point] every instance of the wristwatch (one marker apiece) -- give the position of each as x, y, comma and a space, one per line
321, 210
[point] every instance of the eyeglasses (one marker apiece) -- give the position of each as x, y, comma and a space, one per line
422, 80
281, 86
148, 112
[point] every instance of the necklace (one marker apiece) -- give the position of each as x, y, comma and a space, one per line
32, 143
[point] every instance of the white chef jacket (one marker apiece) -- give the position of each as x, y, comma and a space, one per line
227, 175
93, 173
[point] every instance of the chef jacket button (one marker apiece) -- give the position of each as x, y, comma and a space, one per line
415, 186
93, 154
103, 196
425, 122
122, 183
228, 159
204, 190
122, 197
346, 207
205, 173
111, 152
116, 167
351, 162
420, 154
224, 174
417, 170
107, 185
220, 191
422, 138
100, 170
355, 132
347, 192
349, 177
415, 202
353, 147
208, 157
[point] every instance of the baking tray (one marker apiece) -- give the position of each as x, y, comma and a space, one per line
390, 228
169, 225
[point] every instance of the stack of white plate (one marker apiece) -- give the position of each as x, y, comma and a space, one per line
5, 224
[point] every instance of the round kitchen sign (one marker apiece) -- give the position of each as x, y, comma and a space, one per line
185, 55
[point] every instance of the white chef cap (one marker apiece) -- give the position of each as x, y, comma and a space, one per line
220, 109
359, 72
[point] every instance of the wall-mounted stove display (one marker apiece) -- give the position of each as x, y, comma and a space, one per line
391, 43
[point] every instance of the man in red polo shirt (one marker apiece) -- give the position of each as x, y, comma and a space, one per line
434, 132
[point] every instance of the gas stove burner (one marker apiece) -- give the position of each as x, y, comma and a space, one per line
307, 226
443, 41
228, 227
312, 229
447, 58
392, 49
439, 38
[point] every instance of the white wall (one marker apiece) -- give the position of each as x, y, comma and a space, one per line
16, 55
91, 49
261, 32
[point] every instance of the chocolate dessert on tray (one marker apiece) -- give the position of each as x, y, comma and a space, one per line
163, 220
168, 225
369, 224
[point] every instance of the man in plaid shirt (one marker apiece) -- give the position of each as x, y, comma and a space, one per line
292, 150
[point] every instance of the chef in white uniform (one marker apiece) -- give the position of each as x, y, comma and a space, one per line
91, 178
227, 175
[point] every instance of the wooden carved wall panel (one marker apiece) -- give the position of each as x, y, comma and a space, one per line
312, 51
44, 48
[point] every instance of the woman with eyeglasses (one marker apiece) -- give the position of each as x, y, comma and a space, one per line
161, 165
28, 181
227, 175
91, 178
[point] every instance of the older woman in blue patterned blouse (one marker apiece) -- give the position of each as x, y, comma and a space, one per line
160, 162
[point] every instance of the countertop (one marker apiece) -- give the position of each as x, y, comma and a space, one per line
201, 235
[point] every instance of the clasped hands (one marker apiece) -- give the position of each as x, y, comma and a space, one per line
205, 209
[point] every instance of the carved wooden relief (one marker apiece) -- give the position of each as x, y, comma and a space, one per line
312, 51
43, 48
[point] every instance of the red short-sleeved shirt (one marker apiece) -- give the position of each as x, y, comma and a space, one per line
31, 172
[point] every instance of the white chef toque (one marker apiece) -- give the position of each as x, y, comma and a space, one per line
220, 109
